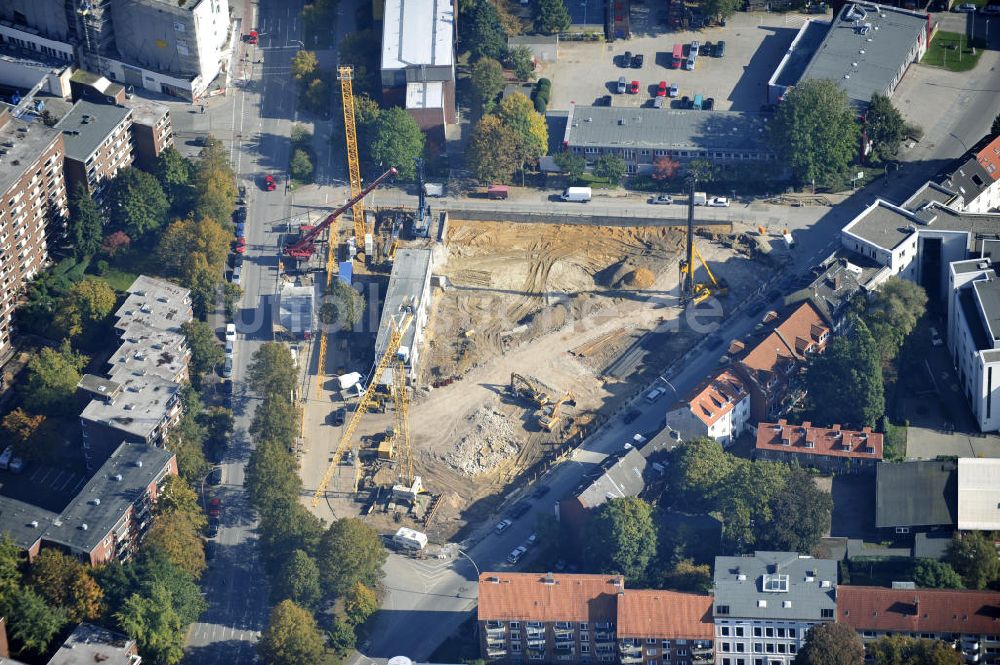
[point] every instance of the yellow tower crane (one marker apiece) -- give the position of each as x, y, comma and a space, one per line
346, 76
365, 403
404, 452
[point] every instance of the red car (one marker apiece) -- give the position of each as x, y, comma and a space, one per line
662, 90
633, 88
269, 183
252, 37
240, 245
215, 507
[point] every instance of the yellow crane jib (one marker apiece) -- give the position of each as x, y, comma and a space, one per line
402, 399
365, 403
346, 76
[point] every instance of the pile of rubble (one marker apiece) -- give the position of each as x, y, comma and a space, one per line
489, 443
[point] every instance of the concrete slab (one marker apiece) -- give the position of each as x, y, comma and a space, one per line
927, 443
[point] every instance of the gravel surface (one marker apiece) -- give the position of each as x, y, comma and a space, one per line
490, 442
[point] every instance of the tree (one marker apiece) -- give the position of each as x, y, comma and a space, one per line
214, 183
570, 163
487, 81
831, 643
271, 371
342, 307
815, 130
115, 243
351, 551
974, 557
136, 203
995, 127
218, 423
317, 96
360, 603
493, 153
518, 113
703, 170
483, 32
298, 581
272, 479
721, 9
746, 503
206, 352
301, 166
66, 583
86, 223
88, 301
52, 379
551, 17
849, 361
33, 622
522, 61
934, 574
291, 638
176, 535
304, 64
342, 636
275, 419
396, 140
174, 172
688, 576
664, 168
885, 128
10, 570
901, 650
892, 314
610, 166
621, 538
177, 495
802, 514
362, 50
19, 427
153, 621
697, 474
192, 249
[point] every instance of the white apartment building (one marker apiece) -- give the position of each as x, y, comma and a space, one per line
719, 409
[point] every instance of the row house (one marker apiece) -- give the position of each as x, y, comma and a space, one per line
829, 449
667, 627
719, 409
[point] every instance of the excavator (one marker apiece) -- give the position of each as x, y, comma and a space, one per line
549, 418
693, 292
521, 386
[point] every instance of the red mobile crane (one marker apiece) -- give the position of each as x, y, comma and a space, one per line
302, 247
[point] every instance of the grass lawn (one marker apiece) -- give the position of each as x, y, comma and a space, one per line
591, 180
952, 51
119, 279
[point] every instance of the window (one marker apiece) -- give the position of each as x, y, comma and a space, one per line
682, 652
781, 632
739, 647
652, 662
769, 647
584, 637
651, 652
758, 661
584, 626
826, 613
740, 661
758, 631
727, 661
758, 647
781, 647
769, 632
584, 648
535, 656
724, 631
739, 631
791, 648
515, 625
726, 647
650, 640
515, 646
791, 632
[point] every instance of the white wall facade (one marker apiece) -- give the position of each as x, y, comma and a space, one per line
34, 42
747, 641
988, 200
978, 371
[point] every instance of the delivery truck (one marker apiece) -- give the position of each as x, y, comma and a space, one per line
410, 539
700, 198
577, 194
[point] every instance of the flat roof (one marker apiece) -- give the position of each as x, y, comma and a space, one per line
978, 494
887, 226
17, 518
916, 493
87, 125
155, 303
148, 350
140, 407
418, 32
988, 296
803, 49
775, 585
146, 112
929, 192
666, 129
295, 307
23, 142
865, 48
410, 271
428, 95
89, 643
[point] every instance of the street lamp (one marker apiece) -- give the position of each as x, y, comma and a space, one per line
462, 552
296, 42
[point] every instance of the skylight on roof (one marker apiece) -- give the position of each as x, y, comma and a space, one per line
776, 583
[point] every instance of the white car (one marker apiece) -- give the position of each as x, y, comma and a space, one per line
718, 202
516, 554
661, 199
230, 332
532, 539
502, 526
967, 8
227, 368
655, 394
17, 465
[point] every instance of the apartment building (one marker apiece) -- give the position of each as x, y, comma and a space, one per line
771, 368
829, 449
545, 617
107, 519
98, 139
970, 620
976, 182
32, 207
718, 408
95, 644
766, 603
152, 130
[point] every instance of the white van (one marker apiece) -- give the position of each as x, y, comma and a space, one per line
577, 194
5, 456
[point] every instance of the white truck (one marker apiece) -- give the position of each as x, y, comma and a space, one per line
789, 241
348, 381
410, 539
434, 189
700, 198
577, 194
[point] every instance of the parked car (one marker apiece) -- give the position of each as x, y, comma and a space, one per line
270, 184
240, 215
251, 38
655, 394
673, 92
661, 199
502, 526
230, 331
237, 276
516, 554
17, 465
658, 102
621, 85
519, 509
967, 8
336, 418
685, 102
661, 90
991, 9
240, 245
626, 60
637, 61
708, 104
718, 202
541, 491
243, 193
215, 478
215, 507
631, 416
694, 50
604, 101
633, 88
227, 368
532, 540
213, 528
708, 49
720, 49
210, 550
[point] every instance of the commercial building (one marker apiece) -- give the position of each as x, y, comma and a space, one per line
32, 207
589, 618
89, 644
866, 49
916, 496
978, 495
829, 449
107, 519
719, 409
771, 368
98, 143
640, 135
969, 620
418, 61
167, 47
408, 293
766, 603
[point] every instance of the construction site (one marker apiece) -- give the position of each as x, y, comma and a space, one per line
497, 346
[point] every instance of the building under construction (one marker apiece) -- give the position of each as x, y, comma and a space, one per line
408, 291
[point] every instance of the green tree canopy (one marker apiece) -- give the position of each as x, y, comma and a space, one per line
298, 581
154, 623
275, 419
974, 557
176, 534
934, 574
272, 372
522, 61
621, 538
494, 151
301, 166
518, 113
831, 643
610, 166
697, 474
86, 224
551, 17
570, 163
214, 184
350, 552
362, 50
892, 314
688, 576
304, 64
34, 623
396, 140
360, 603
885, 127
343, 306
66, 583
174, 172
483, 33
136, 203
851, 360
206, 352
900, 650
291, 638
721, 9
815, 130
88, 301
53, 375
801, 515
487, 81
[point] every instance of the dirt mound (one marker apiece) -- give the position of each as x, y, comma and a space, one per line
641, 278
489, 442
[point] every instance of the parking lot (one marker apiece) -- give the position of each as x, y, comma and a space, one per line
41, 485
755, 44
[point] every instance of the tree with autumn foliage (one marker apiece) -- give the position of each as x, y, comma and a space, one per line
176, 534
19, 426
67, 583
115, 243
214, 183
664, 168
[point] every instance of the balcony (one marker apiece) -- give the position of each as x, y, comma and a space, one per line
602, 636
627, 658
496, 653
701, 648
538, 643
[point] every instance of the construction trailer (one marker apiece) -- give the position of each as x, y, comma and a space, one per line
296, 311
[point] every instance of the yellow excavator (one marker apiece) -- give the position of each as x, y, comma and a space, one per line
702, 291
521, 386
550, 419
693, 292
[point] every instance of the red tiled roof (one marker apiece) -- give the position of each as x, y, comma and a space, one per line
830, 442
798, 334
666, 615
716, 397
530, 597
989, 158
919, 610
